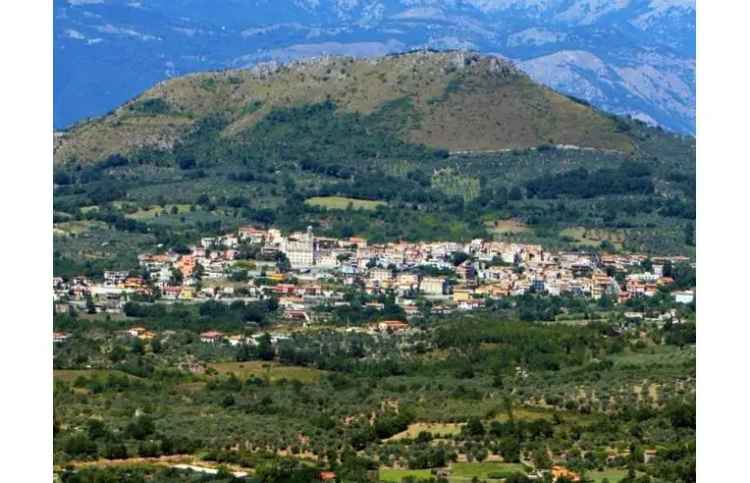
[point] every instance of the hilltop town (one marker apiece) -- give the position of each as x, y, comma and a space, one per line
306, 273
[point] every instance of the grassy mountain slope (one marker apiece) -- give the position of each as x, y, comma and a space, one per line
458, 102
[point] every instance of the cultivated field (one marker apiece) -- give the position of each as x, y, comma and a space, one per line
485, 470
392, 475
154, 211
273, 371
342, 203
592, 237
437, 430
73, 228
609, 474
506, 227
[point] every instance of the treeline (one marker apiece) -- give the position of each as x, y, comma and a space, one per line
209, 315
379, 186
519, 343
318, 134
332, 170
628, 179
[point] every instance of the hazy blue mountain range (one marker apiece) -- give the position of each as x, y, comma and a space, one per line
626, 56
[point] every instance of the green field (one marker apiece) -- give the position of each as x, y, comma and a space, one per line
273, 371
613, 475
70, 375
74, 228
342, 203
467, 471
154, 211
593, 237
437, 430
506, 227
524, 414
670, 356
391, 475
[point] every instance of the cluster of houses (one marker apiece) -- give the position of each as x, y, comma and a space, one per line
452, 276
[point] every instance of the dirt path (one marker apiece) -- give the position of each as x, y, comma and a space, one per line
177, 461
561, 147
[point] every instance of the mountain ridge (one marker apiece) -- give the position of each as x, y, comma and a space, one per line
459, 101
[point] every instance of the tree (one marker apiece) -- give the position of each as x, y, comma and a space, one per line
136, 347
90, 306
515, 194
510, 449
96, 429
497, 381
203, 199
156, 346
244, 354
224, 473
118, 354
480, 454
186, 160
541, 458
458, 258
423, 437
148, 449
681, 415
517, 478
140, 428
667, 269
116, 451
80, 446
265, 348
474, 427
690, 234
176, 278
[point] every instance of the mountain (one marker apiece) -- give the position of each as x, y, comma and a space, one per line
634, 57
454, 101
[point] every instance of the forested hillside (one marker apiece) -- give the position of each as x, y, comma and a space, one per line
445, 145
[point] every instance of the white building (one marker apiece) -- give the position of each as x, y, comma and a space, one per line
433, 285
300, 249
684, 296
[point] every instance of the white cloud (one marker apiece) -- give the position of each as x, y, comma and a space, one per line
495, 5
421, 13
186, 31
74, 34
78, 3
128, 32
664, 4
